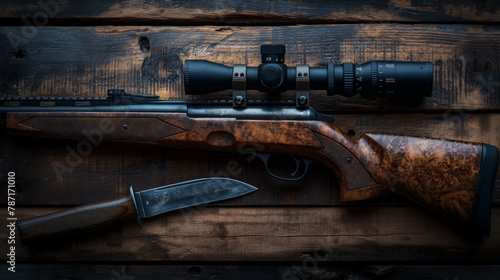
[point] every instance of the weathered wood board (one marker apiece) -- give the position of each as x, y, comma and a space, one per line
87, 61
308, 268
274, 234
251, 12
71, 48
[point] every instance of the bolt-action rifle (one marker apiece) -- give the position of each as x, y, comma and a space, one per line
453, 178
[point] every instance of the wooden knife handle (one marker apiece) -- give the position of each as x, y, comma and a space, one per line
76, 220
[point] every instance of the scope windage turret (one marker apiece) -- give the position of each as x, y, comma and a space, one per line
373, 78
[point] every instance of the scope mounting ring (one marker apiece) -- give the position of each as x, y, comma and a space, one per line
302, 86
239, 83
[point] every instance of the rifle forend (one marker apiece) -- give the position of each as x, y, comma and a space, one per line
453, 178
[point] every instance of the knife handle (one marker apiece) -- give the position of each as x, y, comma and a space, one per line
76, 220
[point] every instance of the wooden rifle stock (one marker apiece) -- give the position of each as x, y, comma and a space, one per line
452, 178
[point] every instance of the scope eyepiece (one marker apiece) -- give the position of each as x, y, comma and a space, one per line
383, 79
370, 79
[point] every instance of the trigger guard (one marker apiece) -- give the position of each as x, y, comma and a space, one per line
298, 160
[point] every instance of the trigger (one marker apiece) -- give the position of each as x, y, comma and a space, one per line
306, 163
297, 165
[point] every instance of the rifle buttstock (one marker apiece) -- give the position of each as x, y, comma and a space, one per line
452, 178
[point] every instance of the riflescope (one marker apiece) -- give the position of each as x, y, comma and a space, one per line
373, 78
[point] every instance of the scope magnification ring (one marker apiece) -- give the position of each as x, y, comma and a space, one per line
348, 79
330, 79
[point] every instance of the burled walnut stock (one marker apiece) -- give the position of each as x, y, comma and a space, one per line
442, 175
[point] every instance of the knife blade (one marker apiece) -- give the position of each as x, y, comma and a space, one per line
142, 204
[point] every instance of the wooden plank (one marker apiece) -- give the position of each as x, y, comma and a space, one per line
107, 171
272, 234
77, 61
455, 125
251, 12
286, 230
307, 269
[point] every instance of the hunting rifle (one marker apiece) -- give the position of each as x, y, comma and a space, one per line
453, 178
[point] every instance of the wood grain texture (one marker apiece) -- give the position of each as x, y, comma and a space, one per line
274, 234
86, 61
251, 12
443, 175
464, 125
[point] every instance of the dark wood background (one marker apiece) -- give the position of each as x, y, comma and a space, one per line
285, 230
